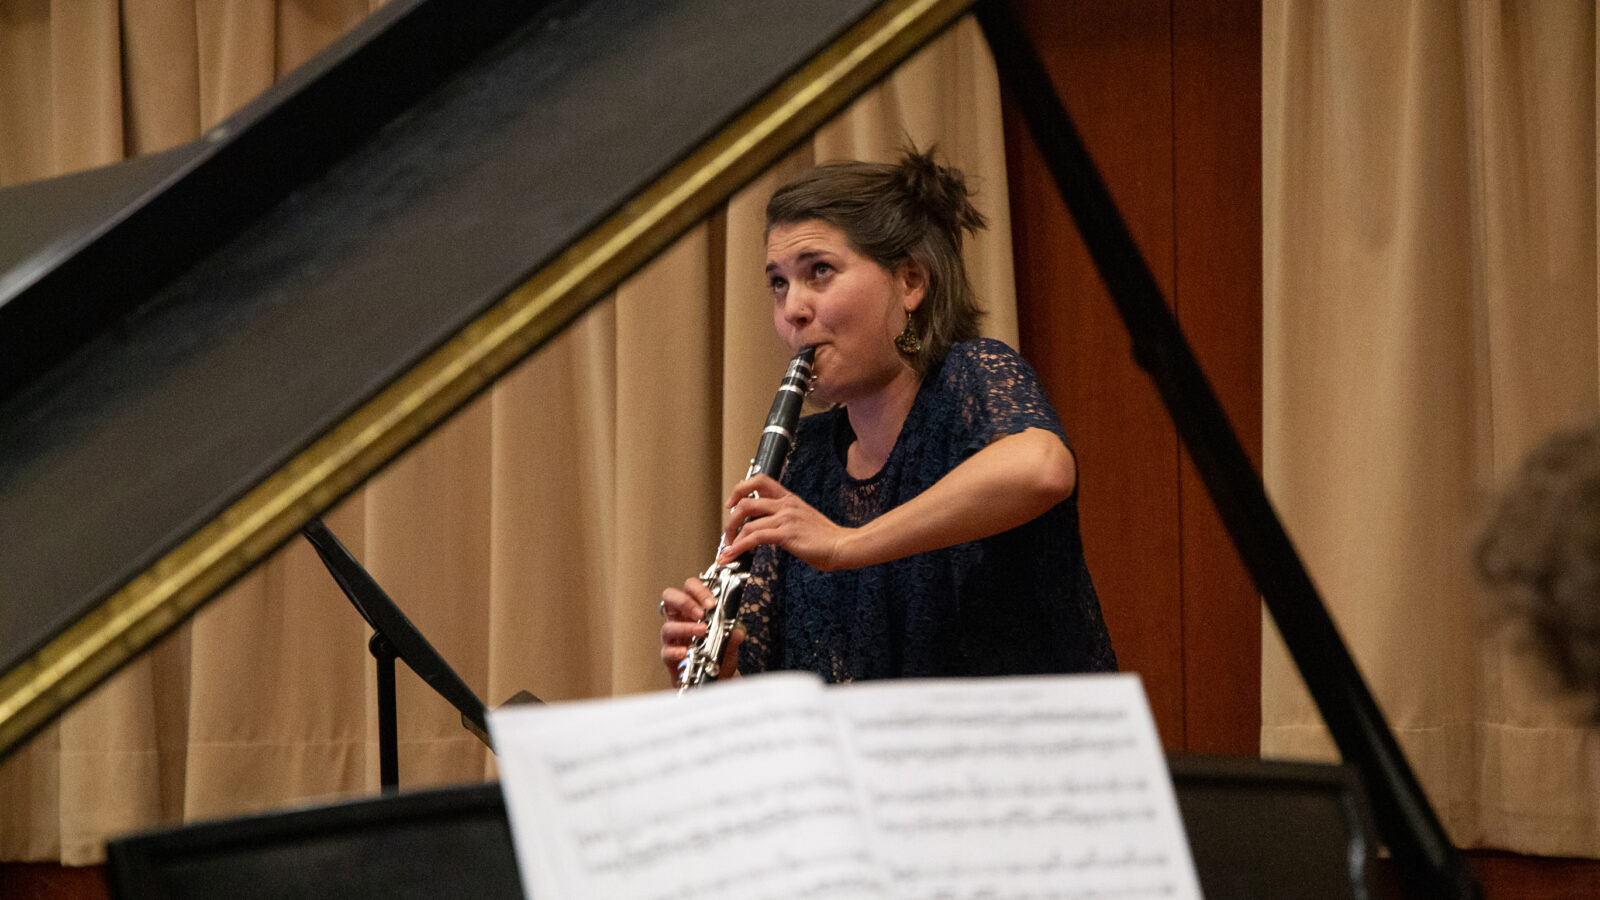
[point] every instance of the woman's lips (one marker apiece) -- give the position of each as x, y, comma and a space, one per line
816, 358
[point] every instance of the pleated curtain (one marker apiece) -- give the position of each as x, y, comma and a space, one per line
1430, 315
529, 537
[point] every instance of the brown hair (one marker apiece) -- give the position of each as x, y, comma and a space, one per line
914, 210
1539, 557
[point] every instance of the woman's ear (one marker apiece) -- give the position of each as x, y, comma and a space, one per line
912, 277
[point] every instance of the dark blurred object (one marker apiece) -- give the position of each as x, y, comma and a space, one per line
1263, 830
453, 842
1258, 830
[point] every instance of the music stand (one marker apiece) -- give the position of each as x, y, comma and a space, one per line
1269, 829
452, 842
395, 637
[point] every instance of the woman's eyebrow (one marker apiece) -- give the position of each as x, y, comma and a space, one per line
800, 258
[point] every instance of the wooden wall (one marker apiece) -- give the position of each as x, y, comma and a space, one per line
1167, 94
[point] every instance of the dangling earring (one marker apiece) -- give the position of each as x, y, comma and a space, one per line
907, 341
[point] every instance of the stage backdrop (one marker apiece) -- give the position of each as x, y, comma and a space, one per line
529, 538
1430, 314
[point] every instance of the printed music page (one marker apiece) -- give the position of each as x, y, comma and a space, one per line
738, 790
1034, 787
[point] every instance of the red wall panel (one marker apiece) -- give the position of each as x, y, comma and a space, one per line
1168, 99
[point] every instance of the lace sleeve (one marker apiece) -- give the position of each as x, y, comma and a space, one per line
758, 610
1000, 394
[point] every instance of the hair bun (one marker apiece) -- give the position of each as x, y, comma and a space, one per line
940, 191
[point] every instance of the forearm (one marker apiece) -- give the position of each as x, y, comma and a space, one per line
1012, 481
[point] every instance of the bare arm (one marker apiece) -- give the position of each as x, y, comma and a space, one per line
1008, 483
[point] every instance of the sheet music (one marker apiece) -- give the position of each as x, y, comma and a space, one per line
739, 789
1045, 788
1024, 788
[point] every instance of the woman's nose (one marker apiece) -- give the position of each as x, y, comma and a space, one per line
796, 309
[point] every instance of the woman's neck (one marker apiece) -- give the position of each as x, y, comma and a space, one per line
877, 420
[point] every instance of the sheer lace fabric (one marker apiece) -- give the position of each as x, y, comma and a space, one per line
1013, 603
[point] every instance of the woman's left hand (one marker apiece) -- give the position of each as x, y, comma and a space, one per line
780, 518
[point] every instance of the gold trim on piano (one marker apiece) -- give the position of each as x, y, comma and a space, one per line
166, 594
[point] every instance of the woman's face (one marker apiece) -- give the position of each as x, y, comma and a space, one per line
827, 295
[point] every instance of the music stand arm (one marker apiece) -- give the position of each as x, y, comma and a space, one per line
388, 716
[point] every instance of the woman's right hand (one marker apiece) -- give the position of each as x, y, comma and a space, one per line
683, 611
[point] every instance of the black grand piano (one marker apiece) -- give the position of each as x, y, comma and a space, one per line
223, 279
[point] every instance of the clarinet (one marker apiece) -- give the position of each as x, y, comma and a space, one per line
704, 659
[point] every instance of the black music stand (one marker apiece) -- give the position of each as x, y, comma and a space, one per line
452, 842
1274, 830
395, 637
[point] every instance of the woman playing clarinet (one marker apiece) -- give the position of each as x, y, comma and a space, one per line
926, 524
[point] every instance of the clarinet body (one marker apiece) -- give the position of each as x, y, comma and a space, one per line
702, 663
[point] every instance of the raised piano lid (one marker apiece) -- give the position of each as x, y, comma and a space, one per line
237, 340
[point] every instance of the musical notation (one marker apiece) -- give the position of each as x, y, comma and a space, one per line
1050, 787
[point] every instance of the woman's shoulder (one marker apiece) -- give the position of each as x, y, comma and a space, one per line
980, 348
984, 358
992, 345
992, 391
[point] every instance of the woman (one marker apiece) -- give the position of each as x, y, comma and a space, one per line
927, 522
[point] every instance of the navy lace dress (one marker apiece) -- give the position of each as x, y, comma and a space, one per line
1013, 603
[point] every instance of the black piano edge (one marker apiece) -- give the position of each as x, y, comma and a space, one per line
170, 589
239, 169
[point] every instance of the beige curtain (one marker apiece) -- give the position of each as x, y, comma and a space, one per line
1430, 289
529, 537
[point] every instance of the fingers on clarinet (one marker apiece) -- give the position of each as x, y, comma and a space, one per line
678, 634
737, 546
699, 601
751, 508
672, 657
765, 485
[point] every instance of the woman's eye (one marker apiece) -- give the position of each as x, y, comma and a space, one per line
821, 269
778, 286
